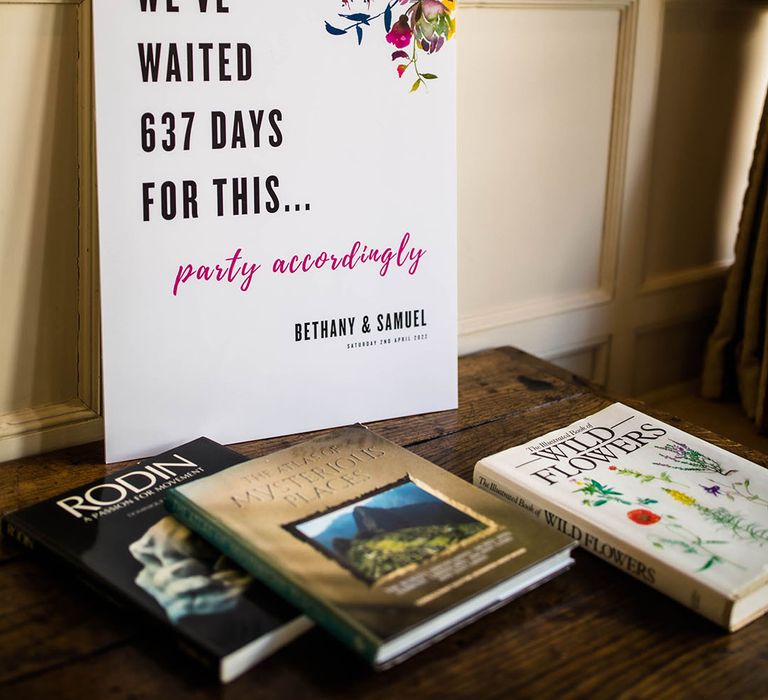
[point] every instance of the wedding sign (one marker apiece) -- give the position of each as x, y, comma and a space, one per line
277, 213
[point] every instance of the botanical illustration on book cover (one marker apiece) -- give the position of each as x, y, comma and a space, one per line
658, 488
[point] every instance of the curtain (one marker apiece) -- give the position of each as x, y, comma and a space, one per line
736, 359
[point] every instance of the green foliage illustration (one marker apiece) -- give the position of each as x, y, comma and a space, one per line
643, 477
741, 527
599, 494
687, 542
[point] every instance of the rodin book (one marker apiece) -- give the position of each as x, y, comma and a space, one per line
671, 509
386, 550
115, 534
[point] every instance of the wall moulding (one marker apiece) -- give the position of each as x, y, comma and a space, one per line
598, 350
694, 275
43, 2
710, 53
51, 426
538, 308
617, 164
620, 117
667, 352
549, 4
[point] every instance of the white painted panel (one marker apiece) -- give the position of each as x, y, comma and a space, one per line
535, 108
581, 362
38, 205
587, 362
714, 72
669, 353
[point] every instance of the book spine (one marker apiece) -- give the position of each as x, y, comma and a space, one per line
231, 546
10, 531
650, 570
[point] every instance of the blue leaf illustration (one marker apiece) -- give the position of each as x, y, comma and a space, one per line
334, 30
357, 17
359, 35
388, 18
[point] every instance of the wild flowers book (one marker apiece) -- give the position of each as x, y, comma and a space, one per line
675, 511
386, 550
115, 535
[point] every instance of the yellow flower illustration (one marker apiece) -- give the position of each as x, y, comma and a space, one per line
684, 498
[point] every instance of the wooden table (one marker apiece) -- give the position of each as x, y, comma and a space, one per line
593, 632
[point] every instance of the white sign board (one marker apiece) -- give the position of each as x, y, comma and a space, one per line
277, 212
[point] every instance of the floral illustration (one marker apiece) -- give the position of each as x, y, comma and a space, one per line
599, 494
681, 497
738, 489
643, 516
740, 526
680, 456
422, 27
689, 542
712, 490
643, 477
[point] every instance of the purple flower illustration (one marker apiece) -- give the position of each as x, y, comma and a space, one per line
714, 490
681, 456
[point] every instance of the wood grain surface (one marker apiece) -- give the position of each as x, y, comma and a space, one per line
593, 632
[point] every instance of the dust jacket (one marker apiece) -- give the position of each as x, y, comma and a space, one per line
384, 549
675, 511
117, 536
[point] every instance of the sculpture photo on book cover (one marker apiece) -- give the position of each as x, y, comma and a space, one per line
115, 535
388, 532
184, 574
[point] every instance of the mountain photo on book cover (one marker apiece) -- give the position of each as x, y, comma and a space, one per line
389, 532
386, 550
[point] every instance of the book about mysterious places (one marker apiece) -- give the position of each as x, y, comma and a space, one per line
384, 549
675, 511
116, 535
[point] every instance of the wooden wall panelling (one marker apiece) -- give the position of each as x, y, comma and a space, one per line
51, 393
573, 119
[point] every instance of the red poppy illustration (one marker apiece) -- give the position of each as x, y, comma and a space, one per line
642, 516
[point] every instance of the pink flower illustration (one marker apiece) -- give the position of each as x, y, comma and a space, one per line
400, 34
428, 22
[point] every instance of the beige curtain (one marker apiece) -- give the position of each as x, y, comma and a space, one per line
737, 353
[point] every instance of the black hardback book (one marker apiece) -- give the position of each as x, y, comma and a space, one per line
117, 535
